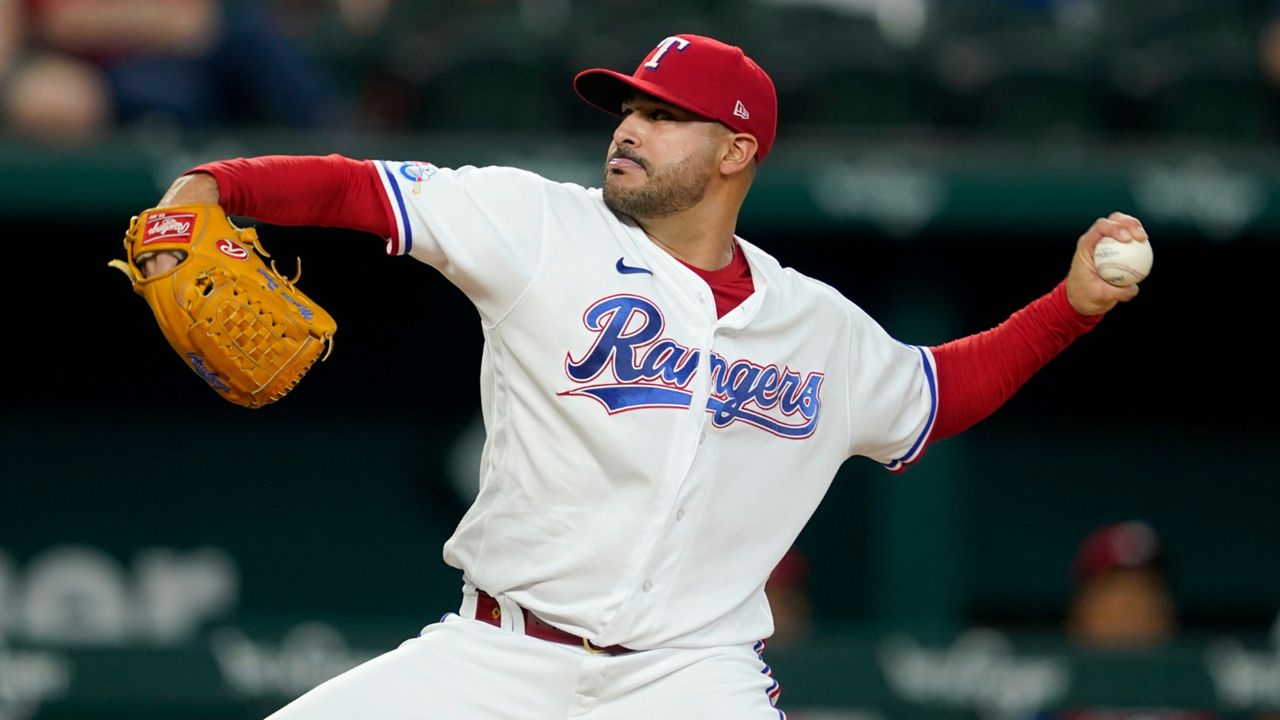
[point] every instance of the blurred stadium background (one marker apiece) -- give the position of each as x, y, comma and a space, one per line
165, 554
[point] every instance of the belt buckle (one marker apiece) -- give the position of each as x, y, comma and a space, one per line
592, 648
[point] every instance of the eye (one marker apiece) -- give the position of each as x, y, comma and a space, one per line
661, 114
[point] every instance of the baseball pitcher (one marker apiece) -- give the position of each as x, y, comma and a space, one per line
665, 404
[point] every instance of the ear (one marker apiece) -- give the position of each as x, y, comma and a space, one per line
739, 152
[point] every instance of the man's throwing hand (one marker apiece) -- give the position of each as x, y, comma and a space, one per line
1088, 293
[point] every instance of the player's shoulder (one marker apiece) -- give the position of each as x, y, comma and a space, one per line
497, 174
490, 177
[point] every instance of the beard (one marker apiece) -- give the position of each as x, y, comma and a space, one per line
666, 191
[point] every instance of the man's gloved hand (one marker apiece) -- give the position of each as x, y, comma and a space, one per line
248, 331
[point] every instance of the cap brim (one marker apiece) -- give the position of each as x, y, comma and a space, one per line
607, 90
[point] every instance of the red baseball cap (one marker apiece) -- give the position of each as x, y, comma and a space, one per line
1130, 544
699, 74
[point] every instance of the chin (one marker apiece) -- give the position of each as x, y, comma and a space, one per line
616, 184
615, 198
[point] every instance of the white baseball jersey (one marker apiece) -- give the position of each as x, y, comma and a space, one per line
646, 464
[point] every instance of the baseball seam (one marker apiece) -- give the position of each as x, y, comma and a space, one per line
1112, 265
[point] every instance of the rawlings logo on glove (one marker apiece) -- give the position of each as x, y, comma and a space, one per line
242, 327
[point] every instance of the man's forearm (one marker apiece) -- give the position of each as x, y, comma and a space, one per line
979, 373
329, 191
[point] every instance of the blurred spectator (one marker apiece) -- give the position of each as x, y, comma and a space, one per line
1269, 46
48, 97
1121, 597
86, 65
363, 17
1121, 601
57, 100
10, 35
788, 591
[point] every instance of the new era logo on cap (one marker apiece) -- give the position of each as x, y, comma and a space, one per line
701, 75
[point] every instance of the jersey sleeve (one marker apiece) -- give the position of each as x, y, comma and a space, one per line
893, 399
482, 228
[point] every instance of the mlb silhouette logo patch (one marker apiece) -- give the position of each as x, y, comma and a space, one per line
417, 171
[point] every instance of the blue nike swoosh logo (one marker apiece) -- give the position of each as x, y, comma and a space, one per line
628, 270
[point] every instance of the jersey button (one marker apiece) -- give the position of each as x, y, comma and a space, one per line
647, 586
680, 514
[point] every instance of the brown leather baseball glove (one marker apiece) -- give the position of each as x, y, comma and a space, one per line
248, 331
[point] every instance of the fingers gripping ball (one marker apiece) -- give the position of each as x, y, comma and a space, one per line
1122, 263
242, 327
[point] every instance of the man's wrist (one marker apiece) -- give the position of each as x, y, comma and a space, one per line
1068, 312
198, 187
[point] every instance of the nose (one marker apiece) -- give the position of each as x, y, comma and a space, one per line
629, 131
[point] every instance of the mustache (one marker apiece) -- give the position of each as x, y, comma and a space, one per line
627, 154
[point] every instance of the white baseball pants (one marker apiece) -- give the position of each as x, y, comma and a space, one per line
464, 669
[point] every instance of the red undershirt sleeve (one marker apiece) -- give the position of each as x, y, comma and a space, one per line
979, 373
326, 191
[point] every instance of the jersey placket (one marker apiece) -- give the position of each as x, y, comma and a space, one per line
656, 553
704, 464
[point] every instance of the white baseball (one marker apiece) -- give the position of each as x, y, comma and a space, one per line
1122, 263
